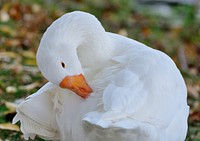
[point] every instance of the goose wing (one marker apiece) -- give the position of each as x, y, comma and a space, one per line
37, 114
143, 98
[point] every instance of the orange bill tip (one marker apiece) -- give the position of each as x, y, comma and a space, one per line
77, 84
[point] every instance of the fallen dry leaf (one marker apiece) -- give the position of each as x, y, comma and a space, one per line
29, 54
8, 54
12, 42
4, 16
195, 116
8, 30
31, 69
123, 32
9, 126
30, 62
15, 11
193, 90
29, 86
11, 89
11, 106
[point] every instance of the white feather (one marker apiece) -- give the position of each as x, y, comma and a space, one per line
139, 94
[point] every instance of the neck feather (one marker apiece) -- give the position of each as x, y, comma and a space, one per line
83, 32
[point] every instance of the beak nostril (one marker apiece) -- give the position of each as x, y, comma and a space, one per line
82, 89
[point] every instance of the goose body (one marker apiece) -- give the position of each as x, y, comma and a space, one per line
137, 93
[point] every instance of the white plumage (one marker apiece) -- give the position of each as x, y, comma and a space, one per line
138, 92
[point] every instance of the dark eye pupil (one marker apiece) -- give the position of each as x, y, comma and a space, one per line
63, 64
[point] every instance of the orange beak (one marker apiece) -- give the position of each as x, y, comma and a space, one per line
76, 84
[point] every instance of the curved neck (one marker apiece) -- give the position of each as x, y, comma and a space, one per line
82, 32
95, 52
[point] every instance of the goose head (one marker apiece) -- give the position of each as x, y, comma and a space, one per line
73, 37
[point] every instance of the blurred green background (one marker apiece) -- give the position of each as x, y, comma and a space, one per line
170, 27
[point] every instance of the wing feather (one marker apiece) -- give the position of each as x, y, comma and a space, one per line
37, 114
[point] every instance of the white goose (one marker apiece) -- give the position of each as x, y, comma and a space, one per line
117, 89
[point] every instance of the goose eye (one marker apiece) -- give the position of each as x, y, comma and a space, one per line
63, 64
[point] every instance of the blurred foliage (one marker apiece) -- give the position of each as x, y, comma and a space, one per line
22, 23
